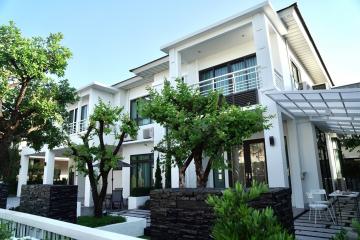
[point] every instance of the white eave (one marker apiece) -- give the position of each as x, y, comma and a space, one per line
98, 86
264, 7
152, 68
335, 110
303, 46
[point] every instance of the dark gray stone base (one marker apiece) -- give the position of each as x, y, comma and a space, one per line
184, 214
3, 195
52, 201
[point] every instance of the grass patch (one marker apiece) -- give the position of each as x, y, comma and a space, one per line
93, 222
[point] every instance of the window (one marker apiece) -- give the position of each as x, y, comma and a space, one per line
72, 121
83, 118
295, 74
134, 114
141, 171
242, 79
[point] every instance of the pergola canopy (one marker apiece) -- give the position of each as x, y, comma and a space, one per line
335, 110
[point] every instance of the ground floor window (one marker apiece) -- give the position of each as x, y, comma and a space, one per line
248, 162
141, 172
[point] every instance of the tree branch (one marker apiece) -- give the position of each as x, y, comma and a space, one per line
121, 140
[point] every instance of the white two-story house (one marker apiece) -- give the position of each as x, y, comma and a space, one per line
259, 56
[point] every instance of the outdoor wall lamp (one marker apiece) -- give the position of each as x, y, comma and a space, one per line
272, 140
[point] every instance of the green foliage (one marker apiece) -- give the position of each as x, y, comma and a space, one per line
94, 150
33, 93
340, 235
158, 177
199, 125
350, 142
33, 102
343, 235
5, 233
93, 222
235, 220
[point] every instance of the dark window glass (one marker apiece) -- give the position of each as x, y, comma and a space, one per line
141, 170
84, 112
295, 73
135, 115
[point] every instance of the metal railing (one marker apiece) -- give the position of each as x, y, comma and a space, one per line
36, 227
71, 128
237, 81
83, 125
76, 127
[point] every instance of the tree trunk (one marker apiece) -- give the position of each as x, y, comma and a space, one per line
199, 169
181, 178
4, 159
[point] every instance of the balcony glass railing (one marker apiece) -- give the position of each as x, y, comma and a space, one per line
230, 83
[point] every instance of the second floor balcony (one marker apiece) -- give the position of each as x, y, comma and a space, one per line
77, 127
238, 87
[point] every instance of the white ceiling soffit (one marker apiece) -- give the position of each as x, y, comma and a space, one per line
335, 110
148, 70
302, 46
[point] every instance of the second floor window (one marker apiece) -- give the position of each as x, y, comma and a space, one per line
72, 121
83, 118
295, 74
135, 115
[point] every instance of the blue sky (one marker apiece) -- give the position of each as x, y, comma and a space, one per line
109, 37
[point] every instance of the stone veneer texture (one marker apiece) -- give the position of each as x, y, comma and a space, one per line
52, 201
184, 214
3, 195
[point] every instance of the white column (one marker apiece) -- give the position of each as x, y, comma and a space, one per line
49, 167
174, 65
174, 72
263, 50
88, 202
275, 155
23, 172
310, 156
295, 164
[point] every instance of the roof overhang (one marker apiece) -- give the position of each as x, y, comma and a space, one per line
98, 86
335, 110
264, 7
132, 82
303, 45
152, 68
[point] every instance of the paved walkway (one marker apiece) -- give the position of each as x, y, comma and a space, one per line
306, 229
135, 213
12, 202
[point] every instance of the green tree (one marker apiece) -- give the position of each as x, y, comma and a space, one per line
350, 141
33, 95
95, 151
158, 177
200, 128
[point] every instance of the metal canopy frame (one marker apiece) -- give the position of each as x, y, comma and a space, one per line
334, 110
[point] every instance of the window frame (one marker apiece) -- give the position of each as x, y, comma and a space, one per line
138, 117
296, 80
135, 162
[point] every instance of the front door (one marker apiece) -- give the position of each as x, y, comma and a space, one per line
249, 162
255, 161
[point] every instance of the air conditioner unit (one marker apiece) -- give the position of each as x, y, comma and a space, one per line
304, 86
129, 138
321, 86
148, 133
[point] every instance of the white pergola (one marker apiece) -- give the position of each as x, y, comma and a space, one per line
335, 110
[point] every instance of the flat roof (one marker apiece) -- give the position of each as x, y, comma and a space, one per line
334, 110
